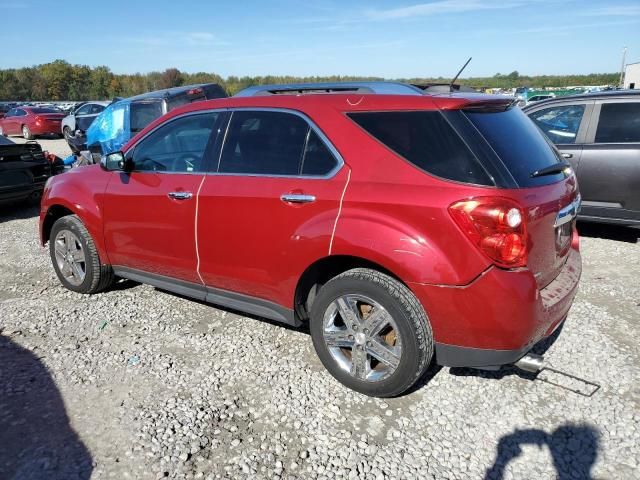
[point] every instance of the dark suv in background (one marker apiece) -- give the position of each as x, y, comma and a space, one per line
599, 134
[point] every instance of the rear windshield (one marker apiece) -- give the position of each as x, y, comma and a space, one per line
521, 146
428, 141
45, 110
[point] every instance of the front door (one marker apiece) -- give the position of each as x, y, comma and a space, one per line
566, 126
270, 210
149, 213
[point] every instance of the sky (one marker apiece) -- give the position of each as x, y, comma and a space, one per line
391, 39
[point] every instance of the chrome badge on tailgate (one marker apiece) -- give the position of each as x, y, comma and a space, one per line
564, 222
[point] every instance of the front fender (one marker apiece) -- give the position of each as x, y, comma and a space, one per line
81, 192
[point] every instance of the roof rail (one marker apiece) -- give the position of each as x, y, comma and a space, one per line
380, 88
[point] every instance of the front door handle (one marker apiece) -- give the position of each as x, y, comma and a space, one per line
180, 195
297, 198
567, 155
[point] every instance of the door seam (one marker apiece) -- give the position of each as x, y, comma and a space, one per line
335, 223
196, 230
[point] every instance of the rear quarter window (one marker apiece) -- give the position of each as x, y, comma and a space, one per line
520, 145
427, 140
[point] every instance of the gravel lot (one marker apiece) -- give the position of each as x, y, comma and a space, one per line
140, 383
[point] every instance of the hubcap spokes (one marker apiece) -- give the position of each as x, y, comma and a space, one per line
70, 257
362, 337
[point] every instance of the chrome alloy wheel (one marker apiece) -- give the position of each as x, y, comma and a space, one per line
70, 257
362, 337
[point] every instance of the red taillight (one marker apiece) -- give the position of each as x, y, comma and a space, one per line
496, 225
195, 91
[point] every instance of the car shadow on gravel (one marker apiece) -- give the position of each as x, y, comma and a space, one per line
36, 438
619, 233
18, 211
573, 448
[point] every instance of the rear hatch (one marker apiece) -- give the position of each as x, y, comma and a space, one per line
541, 182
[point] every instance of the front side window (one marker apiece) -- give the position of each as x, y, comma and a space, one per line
559, 123
273, 143
427, 140
179, 146
619, 123
83, 110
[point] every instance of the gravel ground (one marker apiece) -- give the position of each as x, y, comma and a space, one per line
140, 383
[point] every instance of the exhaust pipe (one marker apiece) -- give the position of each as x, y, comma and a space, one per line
530, 363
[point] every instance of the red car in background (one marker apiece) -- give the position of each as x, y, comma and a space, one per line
31, 121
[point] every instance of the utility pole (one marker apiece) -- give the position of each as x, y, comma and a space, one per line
624, 58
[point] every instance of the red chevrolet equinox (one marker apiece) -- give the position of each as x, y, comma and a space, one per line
401, 226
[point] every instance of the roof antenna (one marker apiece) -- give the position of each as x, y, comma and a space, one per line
458, 74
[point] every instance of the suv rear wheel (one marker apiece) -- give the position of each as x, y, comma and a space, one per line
371, 333
75, 258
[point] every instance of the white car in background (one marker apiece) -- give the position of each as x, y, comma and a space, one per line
81, 117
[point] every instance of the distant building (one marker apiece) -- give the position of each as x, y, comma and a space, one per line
632, 76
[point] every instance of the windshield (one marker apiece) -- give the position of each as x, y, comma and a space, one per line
521, 145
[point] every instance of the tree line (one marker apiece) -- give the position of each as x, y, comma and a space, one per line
60, 80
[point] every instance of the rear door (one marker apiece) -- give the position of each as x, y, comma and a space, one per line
149, 213
566, 125
269, 211
609, 172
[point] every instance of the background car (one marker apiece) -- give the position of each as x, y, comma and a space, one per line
81, 117
23, 171
121, 120
599, 135
31, 121
539, 98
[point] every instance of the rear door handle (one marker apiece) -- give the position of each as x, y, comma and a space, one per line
180, 195
567, 155
297, 198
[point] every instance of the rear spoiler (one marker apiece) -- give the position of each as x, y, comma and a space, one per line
478, 103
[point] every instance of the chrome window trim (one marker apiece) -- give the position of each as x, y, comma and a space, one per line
332, 173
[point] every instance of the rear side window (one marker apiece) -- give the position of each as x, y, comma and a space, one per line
427, 140
559, 123
143, 113
273, 143
521, 146
619, 123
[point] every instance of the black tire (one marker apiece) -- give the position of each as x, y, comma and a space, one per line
407, 313
97, 276
26, 133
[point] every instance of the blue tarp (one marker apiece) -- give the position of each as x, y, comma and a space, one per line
111, 129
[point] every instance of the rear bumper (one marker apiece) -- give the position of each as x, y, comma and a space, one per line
45, 128
500, 316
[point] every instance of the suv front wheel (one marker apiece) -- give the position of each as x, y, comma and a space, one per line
371, 333
75, 257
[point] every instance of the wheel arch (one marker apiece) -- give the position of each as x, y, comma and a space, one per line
54, 212
323, 270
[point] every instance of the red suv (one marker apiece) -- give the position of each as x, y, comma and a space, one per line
398, 225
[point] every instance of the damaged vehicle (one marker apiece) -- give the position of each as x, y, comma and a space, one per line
24, 170
122, 119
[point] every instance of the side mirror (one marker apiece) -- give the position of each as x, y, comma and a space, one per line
115, 161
